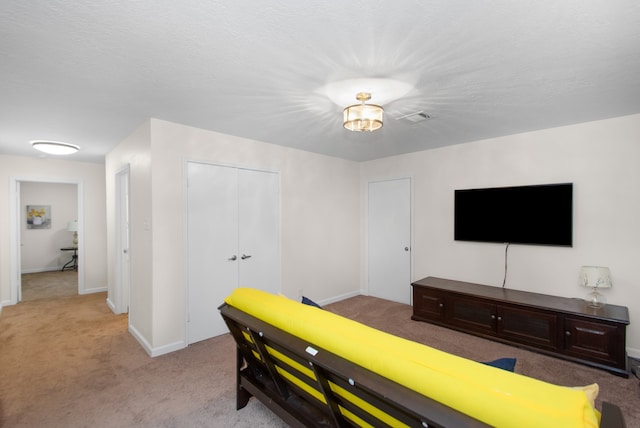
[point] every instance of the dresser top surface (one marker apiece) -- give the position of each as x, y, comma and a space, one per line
577, 306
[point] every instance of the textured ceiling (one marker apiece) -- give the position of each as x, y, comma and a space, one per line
89, 72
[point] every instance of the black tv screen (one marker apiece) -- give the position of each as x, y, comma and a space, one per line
536, 215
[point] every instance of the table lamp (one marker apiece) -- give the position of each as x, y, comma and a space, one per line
72, 226
595, 277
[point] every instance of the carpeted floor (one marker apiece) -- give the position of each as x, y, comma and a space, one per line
67, 361
49, 285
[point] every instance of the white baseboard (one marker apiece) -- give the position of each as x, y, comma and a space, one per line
111, 306
633, 353
38, 270
166, 349
155, 352
339, 298
141, 340
93, 290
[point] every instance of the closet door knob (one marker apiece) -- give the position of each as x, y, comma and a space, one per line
245, 256
232, 258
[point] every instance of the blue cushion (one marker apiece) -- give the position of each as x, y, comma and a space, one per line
503, 363
310, 302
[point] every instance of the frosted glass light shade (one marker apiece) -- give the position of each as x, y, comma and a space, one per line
55, 147
363, 117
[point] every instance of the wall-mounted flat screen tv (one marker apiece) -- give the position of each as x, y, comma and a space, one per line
535, 215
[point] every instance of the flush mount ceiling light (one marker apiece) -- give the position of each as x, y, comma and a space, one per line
54, 147
363, 117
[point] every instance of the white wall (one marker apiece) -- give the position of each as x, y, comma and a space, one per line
134, 151
320, 219
40, 249
92, 178
323, 214
600, 158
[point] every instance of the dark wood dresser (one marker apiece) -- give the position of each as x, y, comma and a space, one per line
563, 327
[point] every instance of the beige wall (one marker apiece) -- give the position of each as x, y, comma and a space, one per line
91, 177
134, 152
600, 158
323, 214
320, 220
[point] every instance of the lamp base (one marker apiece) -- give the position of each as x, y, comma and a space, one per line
595, 299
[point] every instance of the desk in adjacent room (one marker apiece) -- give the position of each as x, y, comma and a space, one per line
73, 263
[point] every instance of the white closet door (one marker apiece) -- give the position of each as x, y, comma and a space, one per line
259, 230
389, 240
233, 233
212, 234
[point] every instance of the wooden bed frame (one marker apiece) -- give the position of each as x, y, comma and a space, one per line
307, 386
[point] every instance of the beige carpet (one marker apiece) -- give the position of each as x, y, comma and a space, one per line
67, 361
49, 285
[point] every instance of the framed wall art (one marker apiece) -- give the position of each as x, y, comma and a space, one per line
38, 216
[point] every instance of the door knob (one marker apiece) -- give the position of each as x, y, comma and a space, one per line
232, 258
406, 248
245, 256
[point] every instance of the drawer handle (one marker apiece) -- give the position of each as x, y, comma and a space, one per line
441, 304
568, 333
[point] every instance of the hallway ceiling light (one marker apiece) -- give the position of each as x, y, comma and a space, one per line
54, 147
363, 117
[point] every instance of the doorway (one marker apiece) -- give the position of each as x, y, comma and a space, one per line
389, 239
121, 303
17, 213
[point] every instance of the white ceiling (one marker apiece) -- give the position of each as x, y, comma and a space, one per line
89, 72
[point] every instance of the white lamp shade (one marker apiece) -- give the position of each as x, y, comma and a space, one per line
72, 226
595, 277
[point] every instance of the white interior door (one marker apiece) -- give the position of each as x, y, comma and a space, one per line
18, 254
123, 263
212, 235
389, 239
259, 230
